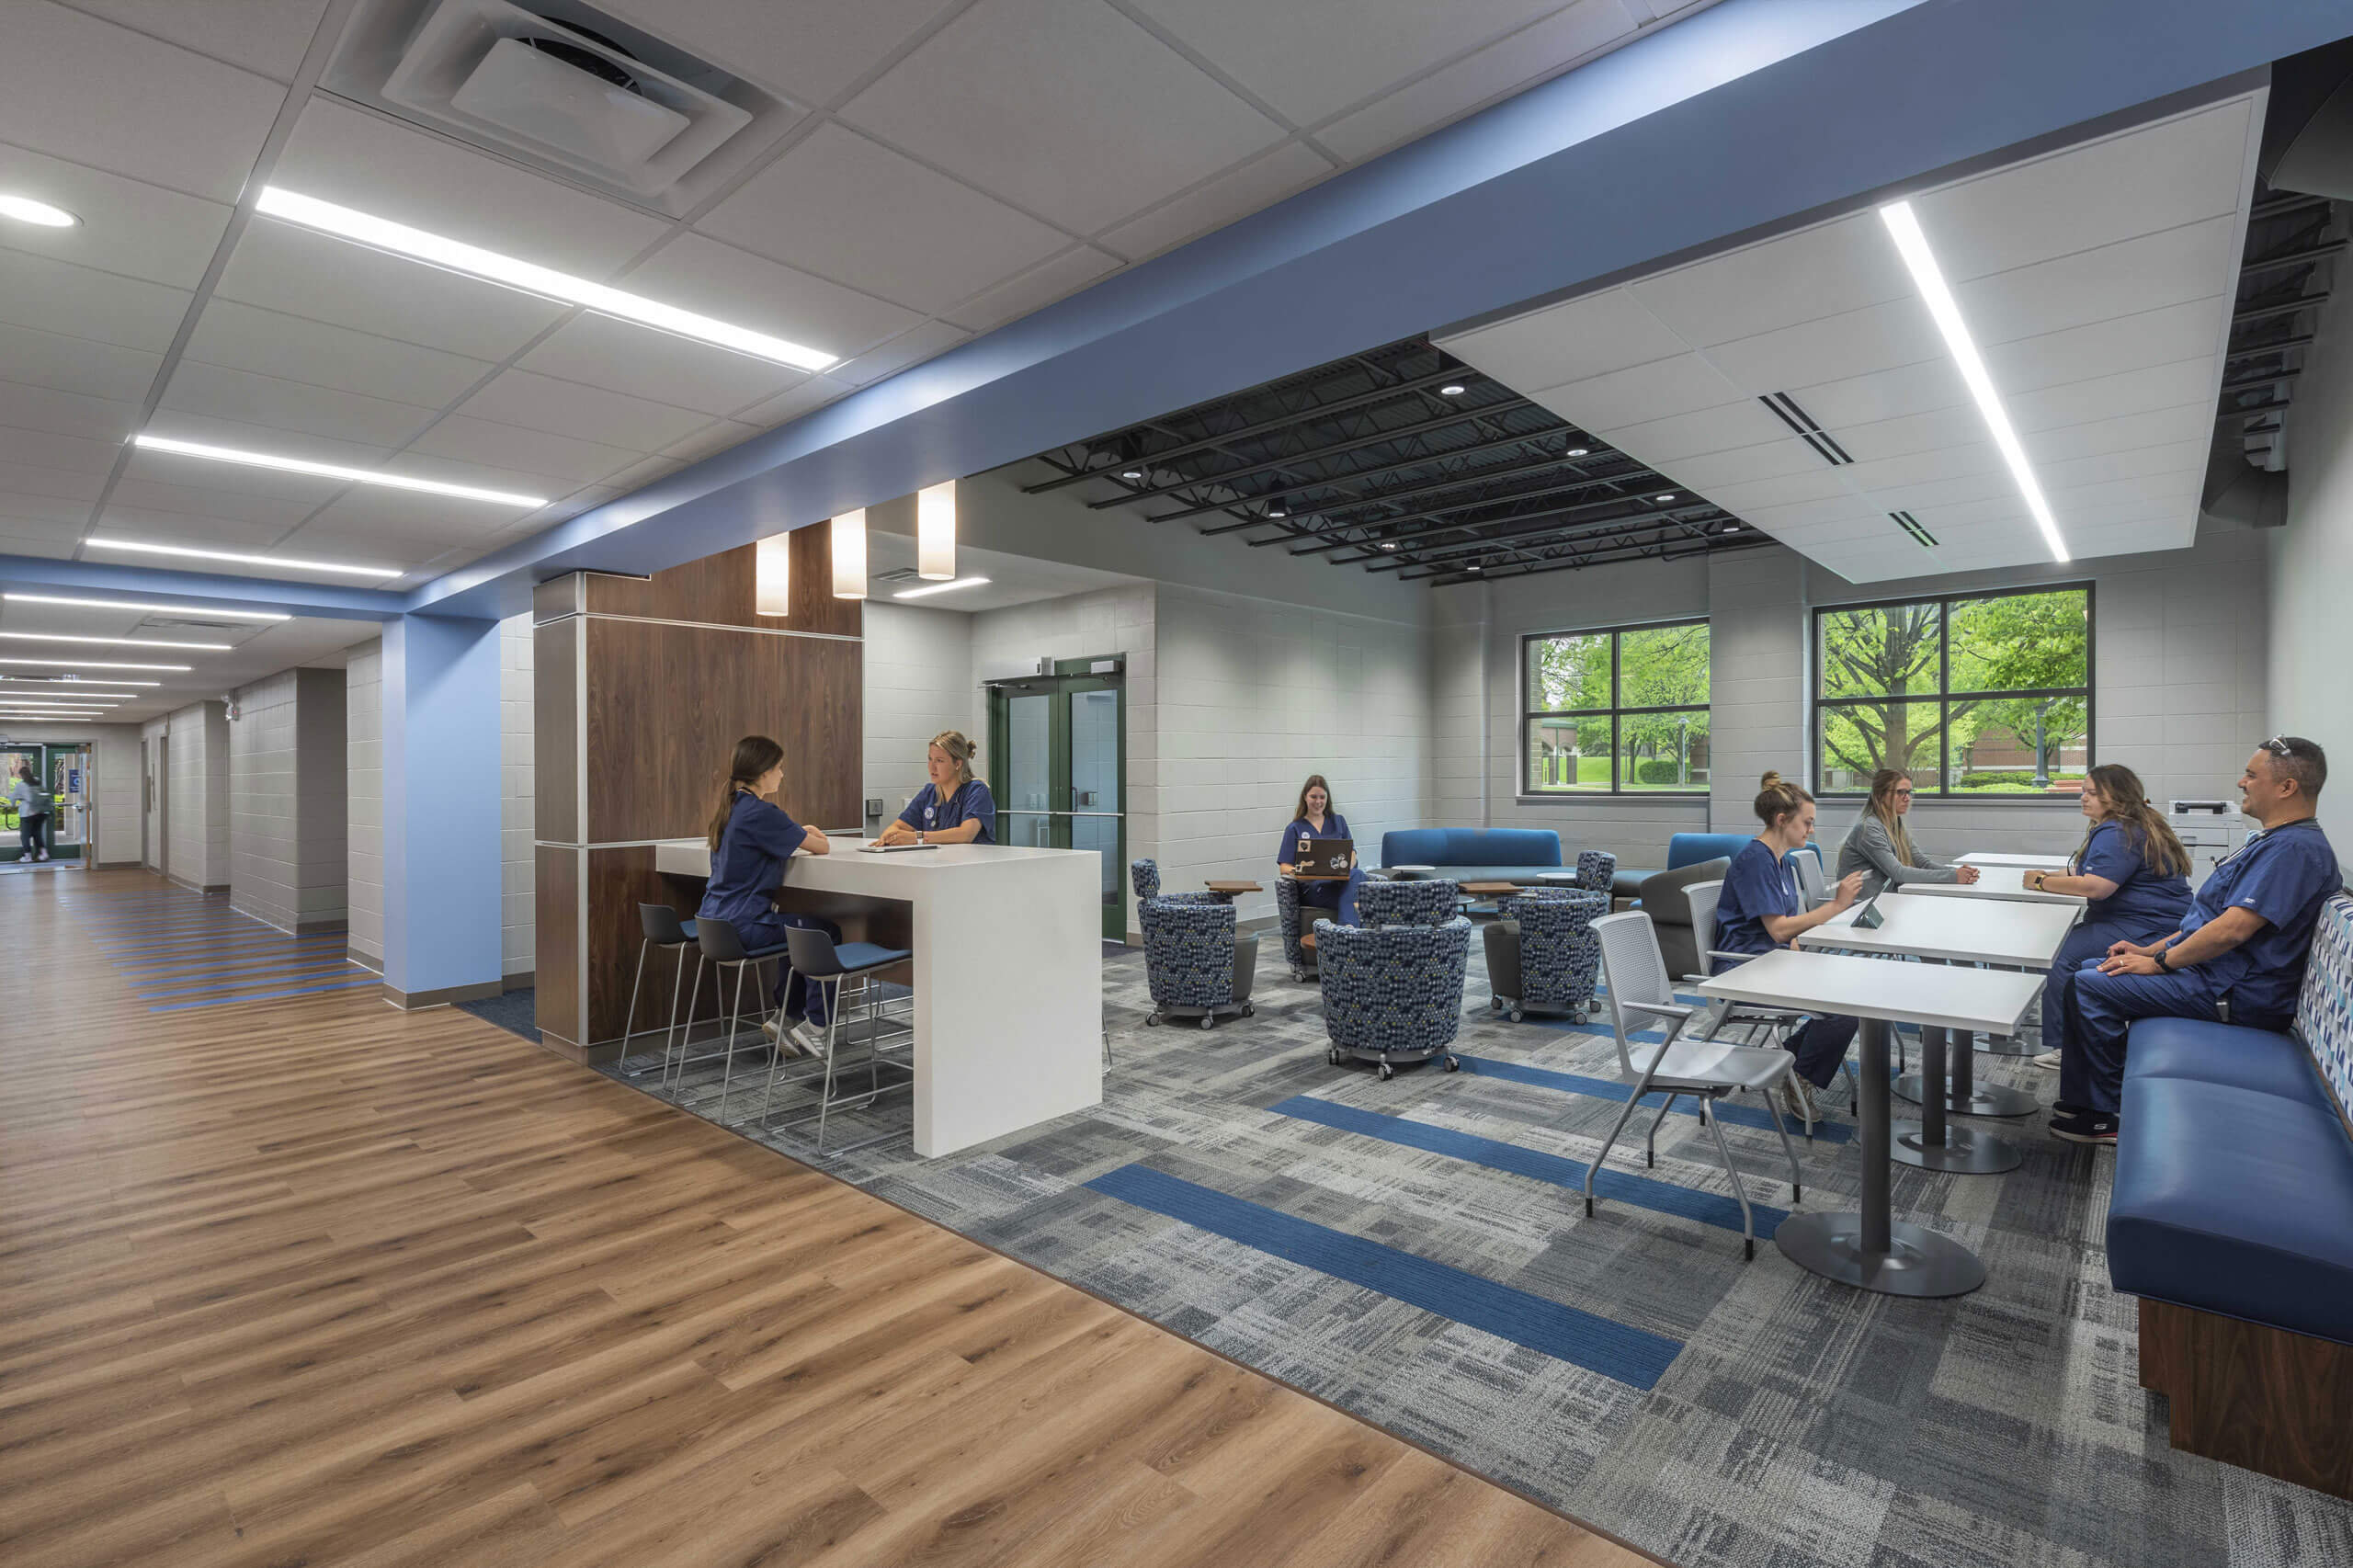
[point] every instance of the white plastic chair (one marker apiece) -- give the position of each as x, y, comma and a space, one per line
1640, 996
1811, 884
1703, 936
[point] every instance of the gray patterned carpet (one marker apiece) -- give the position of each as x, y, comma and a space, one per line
1787, 1421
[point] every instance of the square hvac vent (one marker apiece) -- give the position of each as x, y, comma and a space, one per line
560, 87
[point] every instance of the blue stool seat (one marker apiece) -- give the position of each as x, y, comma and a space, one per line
2261, 1060
688, 927
867, 955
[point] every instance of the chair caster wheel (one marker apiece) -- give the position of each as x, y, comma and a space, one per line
1152, 1022
1209, 1020
1332, 1055
1496, 1004
1588, 1207
1454, 1064
1518, 1014
1748, 1244
1298, 975
1797, 1193
1387, 1072
1248, 1011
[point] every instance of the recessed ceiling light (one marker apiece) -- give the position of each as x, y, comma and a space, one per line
25, 210
333, 471
1475, 566
289, 562
1277, 512
1580, 451
1451, 388
1668, 496
201, 611
1131, 474
91, 665
113, 641
419, 244
940, 588
1912, 244
1388, 544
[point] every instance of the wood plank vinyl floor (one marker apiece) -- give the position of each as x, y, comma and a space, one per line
315, 1281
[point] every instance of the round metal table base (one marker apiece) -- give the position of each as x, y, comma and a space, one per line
2007, 1045
1984, 1099
1917, 1263
1964, 1152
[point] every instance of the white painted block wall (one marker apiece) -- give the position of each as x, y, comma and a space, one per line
363, 687
265, 865
919, 681
197, 800
2309, 634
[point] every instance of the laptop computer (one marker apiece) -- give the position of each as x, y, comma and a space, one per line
1328, 858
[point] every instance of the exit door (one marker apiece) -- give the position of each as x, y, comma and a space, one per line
1058, 767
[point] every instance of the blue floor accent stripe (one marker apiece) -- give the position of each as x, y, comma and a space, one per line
1611, 1089
1643, 1192
200, 946
246, 982
254, 952
250, 932
271, 995
1632, 1356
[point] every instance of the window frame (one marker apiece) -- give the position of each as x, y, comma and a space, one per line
1526, 790
1943, 697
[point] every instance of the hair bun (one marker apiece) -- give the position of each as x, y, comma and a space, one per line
1772, 778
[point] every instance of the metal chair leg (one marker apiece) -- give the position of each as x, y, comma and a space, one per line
734, 1017
628, 1020
1650, 1144
832, 1025
1797, 1177
1748, 1220
1616, 1127
686, 1038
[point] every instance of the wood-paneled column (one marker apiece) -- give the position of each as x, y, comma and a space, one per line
643, 685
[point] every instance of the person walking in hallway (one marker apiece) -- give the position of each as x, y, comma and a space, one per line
32, 814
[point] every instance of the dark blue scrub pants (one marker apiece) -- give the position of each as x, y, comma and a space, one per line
1338, 897
2085, 943
1820, 1045
797, 996
2091, 1071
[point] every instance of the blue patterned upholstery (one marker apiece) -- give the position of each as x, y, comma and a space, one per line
1287, 907
1393, 990
1145, 877
2324, 1010
1188, 952
1406, 903
1559, 954
1596, 869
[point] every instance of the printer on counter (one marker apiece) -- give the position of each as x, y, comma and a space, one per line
2210, 830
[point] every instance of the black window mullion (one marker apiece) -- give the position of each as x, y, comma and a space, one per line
1612, 717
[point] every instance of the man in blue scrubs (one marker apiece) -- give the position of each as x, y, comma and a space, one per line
2245, 940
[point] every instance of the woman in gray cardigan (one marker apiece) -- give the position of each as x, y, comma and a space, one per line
1878, 847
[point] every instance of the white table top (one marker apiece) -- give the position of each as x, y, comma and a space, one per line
2003, 882
1981, 1001
1966, 931
2023, 862
847, 870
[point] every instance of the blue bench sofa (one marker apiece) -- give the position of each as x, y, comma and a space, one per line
1689, 849
1518, 855
2231, 1219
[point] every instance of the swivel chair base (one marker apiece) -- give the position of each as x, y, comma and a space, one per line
1518, 1010
1208, 1016
1389, 1060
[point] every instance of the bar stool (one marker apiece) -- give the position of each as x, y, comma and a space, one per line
723, 946
666, 929
818, 960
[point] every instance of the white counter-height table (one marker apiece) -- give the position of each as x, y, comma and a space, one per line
1008, 966
1952, 930
1869, 1247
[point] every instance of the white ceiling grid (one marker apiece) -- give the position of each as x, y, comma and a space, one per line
2097, 280
957, 165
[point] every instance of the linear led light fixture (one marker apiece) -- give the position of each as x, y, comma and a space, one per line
89, 665
11, 702
200, 611
333, 471
1912, 244
283, 561
940, 588
419, 244
70, 683
113, 641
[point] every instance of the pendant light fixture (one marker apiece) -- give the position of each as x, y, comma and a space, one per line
936, 532
772, 575
850, 555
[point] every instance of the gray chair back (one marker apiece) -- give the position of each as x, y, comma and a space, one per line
1807, 858
1636, 979
1703, 897
661, 926
811, 953
720, 941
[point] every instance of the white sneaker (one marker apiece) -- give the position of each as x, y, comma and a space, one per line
1797, 1098
786, 1044
2048, 1061
808, 1040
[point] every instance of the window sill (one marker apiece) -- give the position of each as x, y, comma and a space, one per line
1688, 796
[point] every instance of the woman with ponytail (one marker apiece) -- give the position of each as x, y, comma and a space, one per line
751, 839
1760, 909
954, 808
1879, 847
2132, 867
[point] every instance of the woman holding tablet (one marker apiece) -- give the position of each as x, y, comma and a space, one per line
1315, 819
751, 839
954, 808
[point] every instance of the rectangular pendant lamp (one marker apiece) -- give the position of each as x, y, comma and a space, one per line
850, 555
772, 575
936, 532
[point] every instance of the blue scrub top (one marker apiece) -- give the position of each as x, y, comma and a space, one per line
969, 800
749, 862
1286, 852
2145, 898
2284, 874
1758, 883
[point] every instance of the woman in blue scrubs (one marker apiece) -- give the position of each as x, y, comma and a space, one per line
750, 841
1316, 819
954, 808
1760, 908
2134, 871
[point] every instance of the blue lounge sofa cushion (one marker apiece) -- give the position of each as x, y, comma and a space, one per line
1497, 850
2233, 1201
1690, 849
2261, 1060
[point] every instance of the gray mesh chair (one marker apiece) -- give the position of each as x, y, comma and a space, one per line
723, 946
1642, 997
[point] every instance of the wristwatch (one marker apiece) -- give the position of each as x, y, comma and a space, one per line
2162, 961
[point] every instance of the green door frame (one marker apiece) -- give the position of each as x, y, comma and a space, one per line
1071, 677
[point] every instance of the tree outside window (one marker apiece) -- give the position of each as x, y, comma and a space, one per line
1622, 710
1973, 696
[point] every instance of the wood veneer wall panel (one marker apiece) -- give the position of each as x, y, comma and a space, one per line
618, 880
718, 590
667, 703
556, 904
555, 734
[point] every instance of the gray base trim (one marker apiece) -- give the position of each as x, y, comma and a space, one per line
121, 865
372, 962
410, 1001
521, 980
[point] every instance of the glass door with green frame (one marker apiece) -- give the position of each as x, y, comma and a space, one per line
1058, 765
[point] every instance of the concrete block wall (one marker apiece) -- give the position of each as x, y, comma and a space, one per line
919, 681
363, 688
2307, 635
288, 854
197, 798
516, 933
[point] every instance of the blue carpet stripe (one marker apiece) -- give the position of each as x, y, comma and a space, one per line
1611, 1089
246, 982
1631, 1356
270, 996
1643, 1192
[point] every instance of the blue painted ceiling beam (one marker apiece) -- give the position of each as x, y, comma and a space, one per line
199, 591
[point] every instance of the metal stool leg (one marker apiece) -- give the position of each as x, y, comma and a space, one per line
734, 1017
833, 1027
685, 1037
628, 1020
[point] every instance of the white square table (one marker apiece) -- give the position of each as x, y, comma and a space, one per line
1984, 858
2006, 882
1870, 1248
1954, 930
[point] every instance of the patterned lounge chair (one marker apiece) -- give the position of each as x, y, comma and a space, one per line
1392, 994
1195, 964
